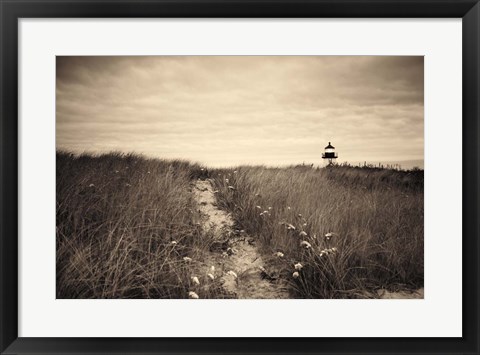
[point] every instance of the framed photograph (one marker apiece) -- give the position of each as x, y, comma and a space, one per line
239, 177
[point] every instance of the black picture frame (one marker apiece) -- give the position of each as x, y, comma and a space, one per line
12, 11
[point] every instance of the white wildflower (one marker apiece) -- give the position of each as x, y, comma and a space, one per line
193, 295
187, 259
305, 244
211, 276
303, 234
298, 266
295, 275
279, 254
232, 273
195, 280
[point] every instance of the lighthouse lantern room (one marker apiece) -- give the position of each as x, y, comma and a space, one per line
329, 156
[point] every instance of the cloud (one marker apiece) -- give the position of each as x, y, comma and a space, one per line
243, 109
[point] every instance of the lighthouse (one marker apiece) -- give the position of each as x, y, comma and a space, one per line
329, 156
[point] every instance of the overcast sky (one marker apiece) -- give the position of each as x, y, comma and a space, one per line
225, 111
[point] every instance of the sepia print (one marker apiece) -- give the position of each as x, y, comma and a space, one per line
239, 177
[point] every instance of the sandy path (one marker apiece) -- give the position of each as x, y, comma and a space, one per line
236, 255
215, 220
418, 294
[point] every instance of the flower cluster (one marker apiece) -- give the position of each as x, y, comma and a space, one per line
195, 280
328, 251
305, 244
265, 213
193, 295
329, 236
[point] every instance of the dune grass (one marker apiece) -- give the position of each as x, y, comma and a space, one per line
352, 230
124, 226
128, 227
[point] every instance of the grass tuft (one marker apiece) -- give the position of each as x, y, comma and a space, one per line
124, 225
372, 219
128, 227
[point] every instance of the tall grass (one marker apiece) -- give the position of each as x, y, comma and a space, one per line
363, 228
124, 225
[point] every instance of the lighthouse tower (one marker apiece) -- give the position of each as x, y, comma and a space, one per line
329, 156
